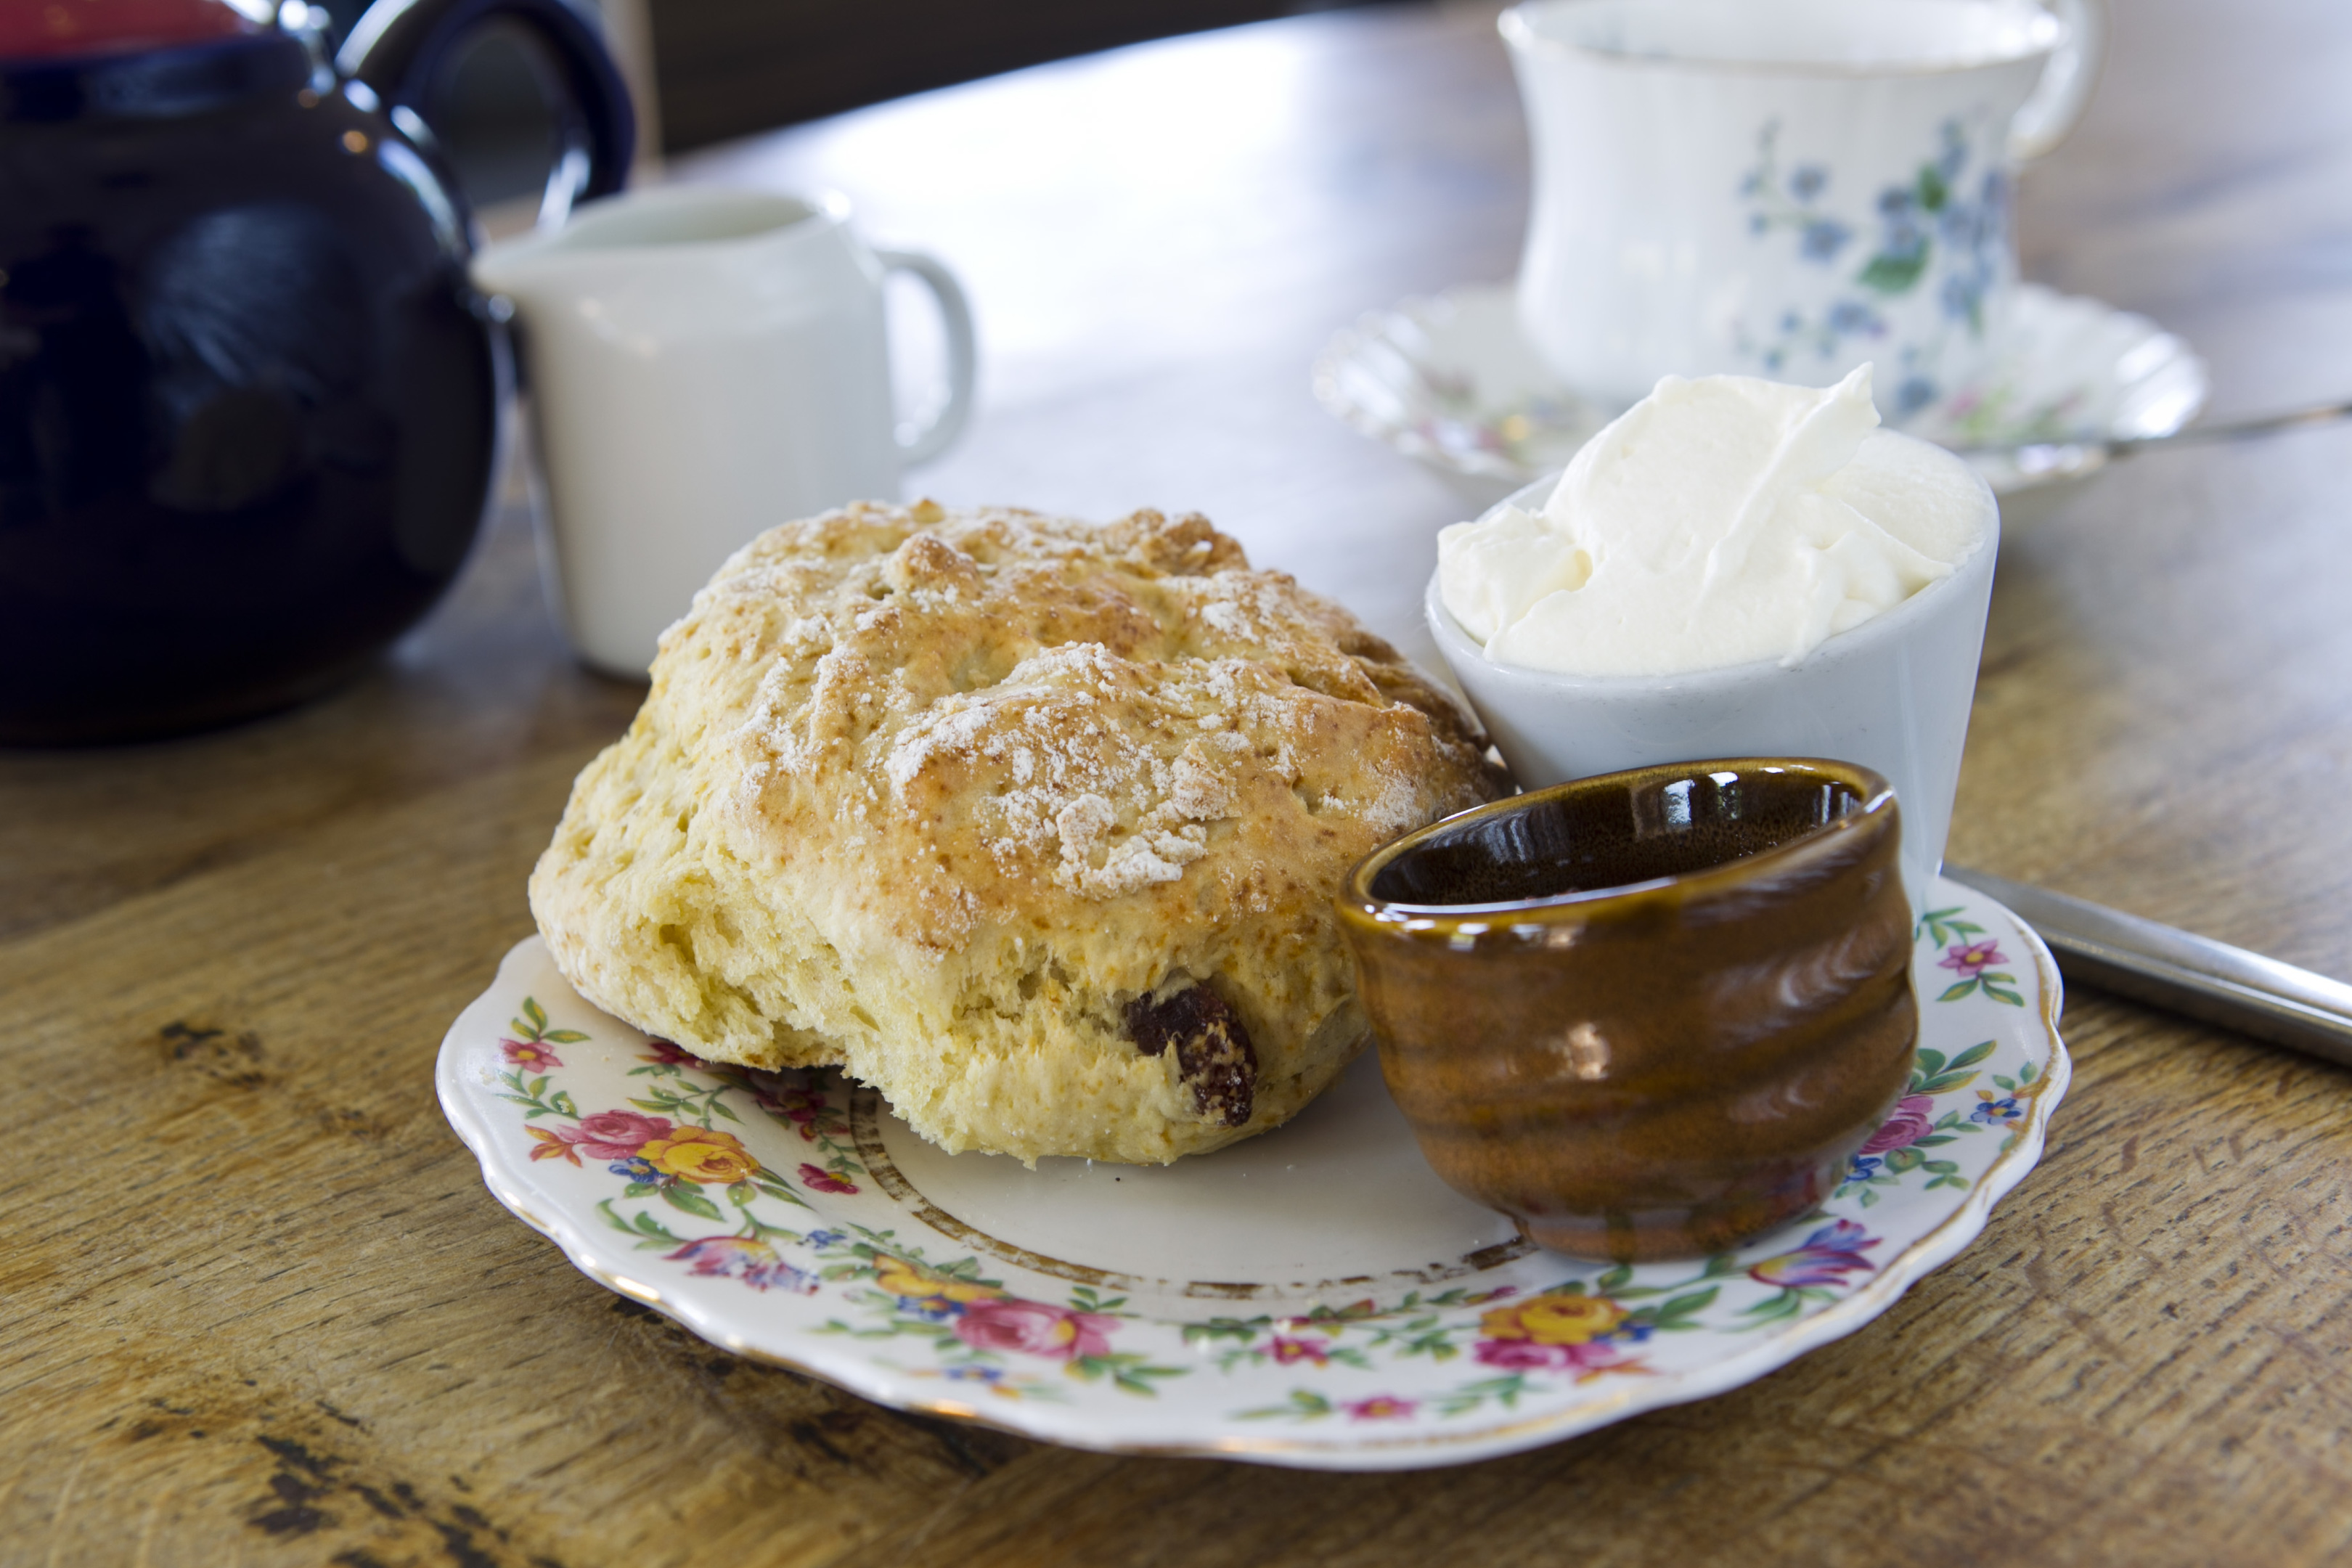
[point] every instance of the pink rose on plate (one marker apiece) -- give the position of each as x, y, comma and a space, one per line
1969, 958
1033, 1328
1910, 1122
530, 1054
617, 1134
1527, 1355
825, 1181
1513, 1355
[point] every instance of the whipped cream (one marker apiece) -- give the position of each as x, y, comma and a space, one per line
1717, 521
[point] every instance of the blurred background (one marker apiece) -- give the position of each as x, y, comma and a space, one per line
706, 70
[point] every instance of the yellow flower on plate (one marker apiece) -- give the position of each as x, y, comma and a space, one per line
700, 1154
904, 1280
1561, 1317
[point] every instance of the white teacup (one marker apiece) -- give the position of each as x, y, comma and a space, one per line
1783, 188
703, 364
1892, 694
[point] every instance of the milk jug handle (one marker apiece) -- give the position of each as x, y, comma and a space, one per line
923, 444
2066, 81
397, 46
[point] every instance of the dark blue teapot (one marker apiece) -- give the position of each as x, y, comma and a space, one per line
249, 404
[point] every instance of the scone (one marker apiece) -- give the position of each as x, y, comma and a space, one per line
1033, 825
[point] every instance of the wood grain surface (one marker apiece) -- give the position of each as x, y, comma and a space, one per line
259, 1308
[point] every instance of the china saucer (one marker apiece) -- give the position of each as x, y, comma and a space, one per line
1313, 1297
1452, 382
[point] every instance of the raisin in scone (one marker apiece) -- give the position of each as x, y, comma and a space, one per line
1032, 824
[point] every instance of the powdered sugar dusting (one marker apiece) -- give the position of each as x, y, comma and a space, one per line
1395, 809
1018, 702
1225, 617
1053, 788
961, 731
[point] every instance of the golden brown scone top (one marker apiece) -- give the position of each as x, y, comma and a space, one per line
998, 713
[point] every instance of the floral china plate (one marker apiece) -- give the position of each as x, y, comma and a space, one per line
1452, 382
1313, 1297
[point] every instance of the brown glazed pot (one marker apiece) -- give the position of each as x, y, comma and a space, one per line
1650, 1014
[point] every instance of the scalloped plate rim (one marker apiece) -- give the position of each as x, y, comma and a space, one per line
1068, 1424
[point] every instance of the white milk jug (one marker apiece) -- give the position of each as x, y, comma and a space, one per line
703, 364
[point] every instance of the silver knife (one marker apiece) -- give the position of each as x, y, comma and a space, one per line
2171, 968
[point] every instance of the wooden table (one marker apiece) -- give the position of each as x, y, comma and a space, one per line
261, 1308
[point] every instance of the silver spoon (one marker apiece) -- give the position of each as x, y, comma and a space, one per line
2175, 969
2049, 461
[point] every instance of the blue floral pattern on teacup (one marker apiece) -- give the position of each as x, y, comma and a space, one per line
1943, 207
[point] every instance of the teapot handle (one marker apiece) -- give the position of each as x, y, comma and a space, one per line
397, 46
